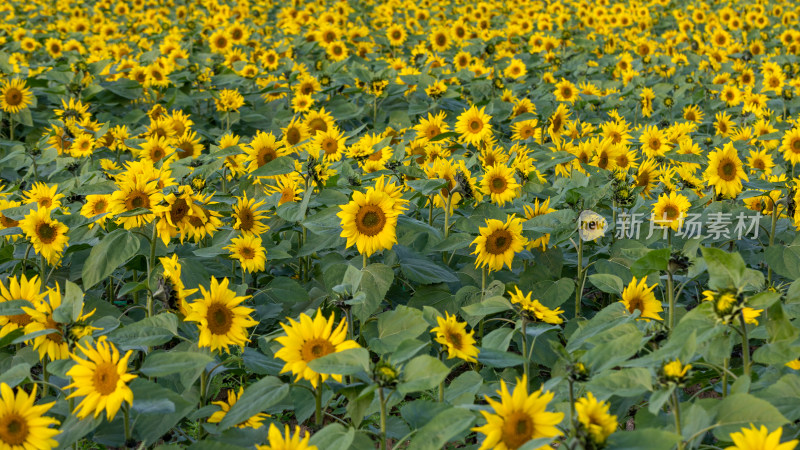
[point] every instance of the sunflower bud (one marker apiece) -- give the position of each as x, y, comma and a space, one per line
674, 372
578, 372
385, 374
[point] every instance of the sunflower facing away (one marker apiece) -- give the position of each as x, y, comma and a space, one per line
23, 425
249, 252
287, 440
14, 96
594, 417
725, 171
640, 296
499, 184
308, 340
221, 319
101, 377
453, 335
48, 236
498, 242
252, 422
19, 288
369, 221
518, 418
473, 125
176, 292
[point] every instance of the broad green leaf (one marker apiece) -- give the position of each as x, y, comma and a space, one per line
737, 411
169, 362
607, 283
725, 270
114, 250
71, 304
278, 166
14, 307
16, 374
151, 331
375, 282
396, 326
256, 398
644, 439
422, 373
333, 437
444, 427
491, 305
653, 261
346, 362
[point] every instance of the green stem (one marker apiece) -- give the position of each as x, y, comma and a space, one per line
670, 288
11, 127
364, 260
676, 411
318, 407
526, 363
383, 417
203, 387
745, 345
127, 422
430, 210
772, 237
579, 280
724, 377
150, 265
46, 377
42, 269
447, 215
441, 384
571, 406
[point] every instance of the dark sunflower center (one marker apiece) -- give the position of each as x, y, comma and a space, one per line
293, 135
635, 303
45, 202
138, 200
46, 233
220, 319
475, 125
246, 220
266, 155
498, 185
105, 378
727, 170
20, 319
247, 252
13, 429
433, 131
455, 340
498, 242
316, 348
185, 149
566, 92
441, 40
55, 336
655, 143
330, 146
179, 210
317, 124
14, 97
759, 164
370, 220
795, 145
517, 429
671, 212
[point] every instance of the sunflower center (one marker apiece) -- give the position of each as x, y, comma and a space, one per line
498, 185
55, 336
370, 220
498, 242
316, 348
517, 429
45, 202
475, 125
433, 131
247, 252
20, 319
671, 212
179, 210
759, 164
635, 303
220, 319
727, 170
317, 124
185, 149
566, 92
13, 429
46, 233
293, 135
796, 145
655, 143
330, 146
266, 155
441, 40
526, 132
455, 340
105, 378
14, 97
138, 200
246, 220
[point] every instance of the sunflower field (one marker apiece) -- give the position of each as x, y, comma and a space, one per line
359, 224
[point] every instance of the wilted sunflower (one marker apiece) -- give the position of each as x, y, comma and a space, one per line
725, 171
453, 336
19, 288
594, 417
369, 221
48, 237
23, 425
254, 421
498, 242
670, 210
308, 340
639, 296
499, 183
247, 249
518, 418
221, 319
101, 377
14, 96
287, 440
473, 125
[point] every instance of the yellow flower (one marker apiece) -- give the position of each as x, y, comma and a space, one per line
14, 96
247, 249
135, 192
538, 209
44, 196
251, 422
286, 441
53, 345
536, 309
23, 425
670, 210
473, 125
329, 144
498, 242
675, 370
518, 418
249, 216
308, 340
48, 236
760, 439
639, 296
499, 183
654, 142
790, 145
176, 291
725, 171
369, 221
221, 318
229, 100
101, 379
19, 288
566, 91
594, 417
453, 335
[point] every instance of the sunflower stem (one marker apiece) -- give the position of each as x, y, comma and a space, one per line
745, 345
46, 378
126, 419
526, 363
364, 260
11, 127
447, 215
430, 210
579, 279
676, 411
383, 417
42, 269
150, 263
318, 407
203, 384
571, 406
670, 287
724, 377
772, 237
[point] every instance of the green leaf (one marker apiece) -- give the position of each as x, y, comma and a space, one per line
496, 358
491, 305
725, 270
738, 411
610, 284
444, 427
14, 307
333, 437
623, 383
427, 187
784, 260
114, 250
151, 331
463, 389
16, 374
160, 364
71, 304
256, 398
278, 166
422, 373
644, 439
150, 410
426, 272
346, 362
653, 261
396, 326
74, 429
375, 283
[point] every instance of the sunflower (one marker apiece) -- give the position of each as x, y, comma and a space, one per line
518, 418
692, 113
72, 111
308, 340
647, 176
440, 39
535, 310
432, 126
330, 144
48, 236
249, 216
83, 146
221, 319
526, 129
760, 439
228, 100
262, 149
23, 425
515, 69
254, 421
220, 41
538, 209
174, 214
473, 125
654, 142
295, 133
369, 221
188, 145
566, 91
499, 183
725, 171
135, 192
396, 34
670, 210
101, 377
498, 242
760, 162
44, 196
53, 345
558, 121
639, 296
453, 335
247, 249
14, 96
286, 441
594, 417
19, 288
790, 145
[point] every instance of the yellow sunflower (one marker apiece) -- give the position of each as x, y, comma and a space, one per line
221, 319
54, 345
453, 335
498, 242
639, 296
308, 340
19, 288
594, 417
254, 421
535, 310
48, 236
249, 216
473, 125
647, 176
790, 145
670, 210
760, 439
330, 144
725, 171
44, 196
432, 126
566, 91
23, 425
286, 441
101, 377
135, 192
176, 292
247, 249
295, 132
518, 418
14, 96
499, 183
538, 209
369, 221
